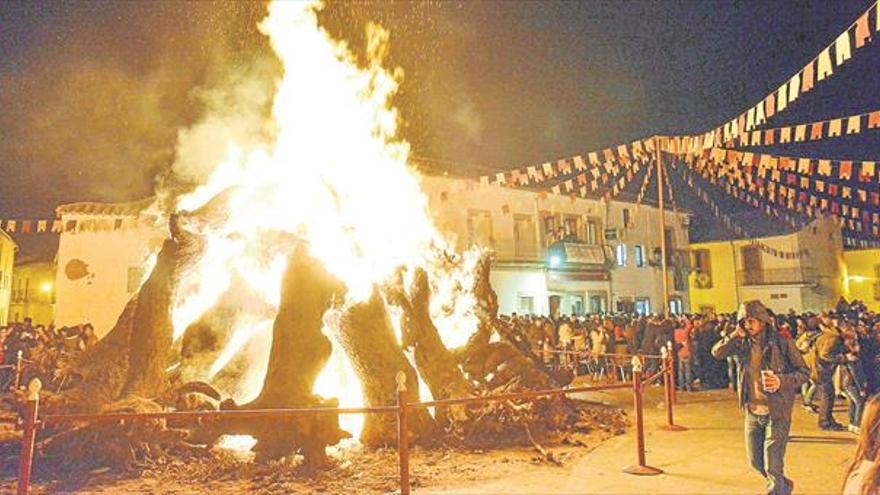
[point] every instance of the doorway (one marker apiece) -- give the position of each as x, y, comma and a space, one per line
554, 302
751, 257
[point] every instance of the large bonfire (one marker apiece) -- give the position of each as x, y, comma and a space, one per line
306, 272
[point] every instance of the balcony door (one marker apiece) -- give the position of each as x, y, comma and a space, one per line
751, 258
525, 245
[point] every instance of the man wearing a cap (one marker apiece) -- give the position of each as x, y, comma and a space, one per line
770, 372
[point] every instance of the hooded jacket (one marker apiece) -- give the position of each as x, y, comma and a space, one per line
778, 354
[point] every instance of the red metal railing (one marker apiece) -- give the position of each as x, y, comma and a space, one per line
33, 422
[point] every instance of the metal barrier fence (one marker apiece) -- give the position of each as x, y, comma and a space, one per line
32, 422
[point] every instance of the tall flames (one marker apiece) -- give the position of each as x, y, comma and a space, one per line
335, 175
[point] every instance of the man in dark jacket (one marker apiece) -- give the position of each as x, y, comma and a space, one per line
770, 372
829, 351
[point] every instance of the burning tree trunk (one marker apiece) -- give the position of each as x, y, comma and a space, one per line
435, 362
367, 336
298, 354
152, 330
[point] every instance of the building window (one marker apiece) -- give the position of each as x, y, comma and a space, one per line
703, 264
590, 237
643, 306
524, 236
620, 255
573, 228
626, 218
135, 275
550, 229
640, 256
479, 225
676, 307
526, 305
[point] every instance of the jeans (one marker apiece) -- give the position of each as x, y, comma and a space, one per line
826, 403
685, 375
732, 365
855, 402
766, 439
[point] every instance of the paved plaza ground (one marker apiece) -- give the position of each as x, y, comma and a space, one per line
708, 458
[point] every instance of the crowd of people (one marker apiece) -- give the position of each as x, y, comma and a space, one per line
840, 347
44, 351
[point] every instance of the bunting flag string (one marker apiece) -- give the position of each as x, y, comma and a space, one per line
58, 226
819, 68
591, 170
812, 131
734, 226
804, 186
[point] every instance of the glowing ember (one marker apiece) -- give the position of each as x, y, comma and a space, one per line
335, 175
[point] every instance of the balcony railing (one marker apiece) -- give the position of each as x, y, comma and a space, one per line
561, 254
777, 276
519, 251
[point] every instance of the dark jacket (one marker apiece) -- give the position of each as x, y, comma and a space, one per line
828, 352
653, 339
780, 355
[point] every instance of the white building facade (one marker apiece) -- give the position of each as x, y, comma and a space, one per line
552, 254
103, 252
560, 255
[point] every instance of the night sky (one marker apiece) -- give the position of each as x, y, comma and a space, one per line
93, 94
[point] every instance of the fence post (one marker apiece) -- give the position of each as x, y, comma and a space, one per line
402, 433
641, 469
17, 382
29, 432
669, 386
671, 348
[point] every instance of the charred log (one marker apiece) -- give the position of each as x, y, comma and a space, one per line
435, 363
367, 336
152, 327
298, 353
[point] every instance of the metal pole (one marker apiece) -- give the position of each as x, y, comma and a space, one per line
28, 436
17, 382
641, 469
670, 348
662, 206
669, 382
402, 433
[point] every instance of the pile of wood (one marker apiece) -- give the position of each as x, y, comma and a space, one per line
128, 371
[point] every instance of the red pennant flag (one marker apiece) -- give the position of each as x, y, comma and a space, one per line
866, 172
807, 77
816, 131
846, 170
863, 34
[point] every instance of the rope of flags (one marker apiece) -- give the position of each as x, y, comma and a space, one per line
730, 224
821, 67
812, 131
58, 226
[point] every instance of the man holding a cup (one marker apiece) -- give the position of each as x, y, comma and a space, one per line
771, 371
